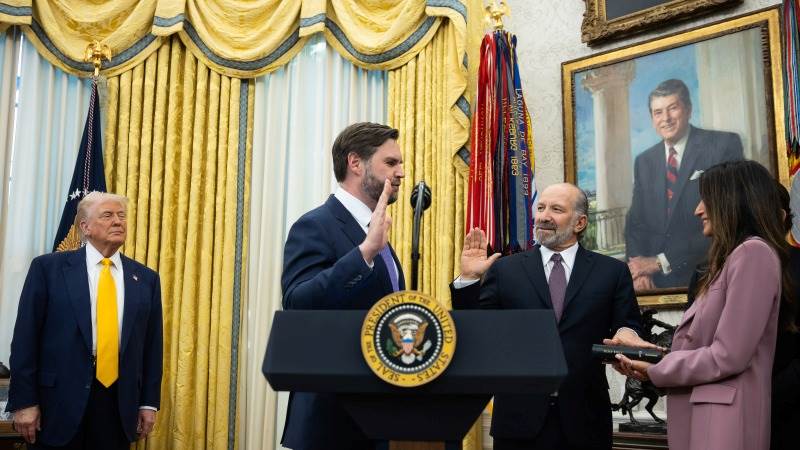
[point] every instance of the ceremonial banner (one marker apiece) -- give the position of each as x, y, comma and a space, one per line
792, 82
791, 79
88, 176
502, 192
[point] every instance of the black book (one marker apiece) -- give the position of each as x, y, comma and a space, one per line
607, 353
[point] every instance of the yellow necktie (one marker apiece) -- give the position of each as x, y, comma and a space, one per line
107, 327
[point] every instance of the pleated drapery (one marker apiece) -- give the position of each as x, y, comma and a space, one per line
248, 39
237, 38
178, 146
50, 117
177, 142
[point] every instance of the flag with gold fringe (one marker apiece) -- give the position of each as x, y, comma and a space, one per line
791, 51
791, 81
502, 192
88, 176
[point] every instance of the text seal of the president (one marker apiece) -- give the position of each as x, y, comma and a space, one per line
408, 338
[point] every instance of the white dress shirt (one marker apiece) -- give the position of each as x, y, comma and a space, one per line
362, 214
567, 260
93, 266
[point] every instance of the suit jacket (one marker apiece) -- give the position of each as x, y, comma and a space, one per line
323, 269
648, 230
51, 350
599, 300
720, 366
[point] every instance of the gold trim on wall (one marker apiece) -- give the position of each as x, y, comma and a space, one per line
596, 27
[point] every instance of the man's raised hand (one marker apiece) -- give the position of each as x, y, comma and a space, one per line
474, 262
379, 225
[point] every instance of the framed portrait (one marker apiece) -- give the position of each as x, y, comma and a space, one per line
641, 125
606, 19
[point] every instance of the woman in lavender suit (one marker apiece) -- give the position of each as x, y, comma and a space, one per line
718, 374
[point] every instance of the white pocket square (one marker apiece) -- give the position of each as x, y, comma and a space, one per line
696, 175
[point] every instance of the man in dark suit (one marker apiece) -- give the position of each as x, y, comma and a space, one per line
87, 345
592, 297
337, 256
663, 238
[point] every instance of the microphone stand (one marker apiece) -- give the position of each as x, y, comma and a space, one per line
419, 205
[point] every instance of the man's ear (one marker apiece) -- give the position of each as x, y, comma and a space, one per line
355, 164
583, 221
83, 227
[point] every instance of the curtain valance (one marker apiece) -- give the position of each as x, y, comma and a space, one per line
234, 38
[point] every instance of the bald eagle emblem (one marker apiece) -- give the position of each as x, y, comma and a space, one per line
408, 338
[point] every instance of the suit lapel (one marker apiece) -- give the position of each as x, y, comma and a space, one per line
348, 223
356, 235
580, 271
534, 269
77, 277
132, 300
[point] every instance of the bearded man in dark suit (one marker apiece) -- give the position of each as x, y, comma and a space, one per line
592, 298
337, 256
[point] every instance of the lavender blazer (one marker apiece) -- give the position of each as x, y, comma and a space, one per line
718, 373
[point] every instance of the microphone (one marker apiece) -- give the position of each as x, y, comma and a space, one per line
426, 196
420, 201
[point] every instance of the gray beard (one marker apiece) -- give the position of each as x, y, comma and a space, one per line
558, 238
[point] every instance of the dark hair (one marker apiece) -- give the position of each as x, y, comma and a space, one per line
670, 87
741, 200
363, 139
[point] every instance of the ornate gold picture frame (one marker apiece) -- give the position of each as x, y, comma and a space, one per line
607, 19
732, 73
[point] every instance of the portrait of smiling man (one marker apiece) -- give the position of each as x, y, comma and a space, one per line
664, 240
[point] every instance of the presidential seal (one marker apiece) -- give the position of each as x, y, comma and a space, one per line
408, 338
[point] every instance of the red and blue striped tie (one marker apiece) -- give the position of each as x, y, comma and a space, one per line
672, 178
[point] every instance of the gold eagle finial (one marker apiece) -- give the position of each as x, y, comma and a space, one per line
95, 53
495, 10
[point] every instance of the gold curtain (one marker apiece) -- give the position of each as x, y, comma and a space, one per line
14, 12
232, 37
61, 29
177, 144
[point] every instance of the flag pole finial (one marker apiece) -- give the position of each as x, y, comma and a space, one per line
495, 10
95, 53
